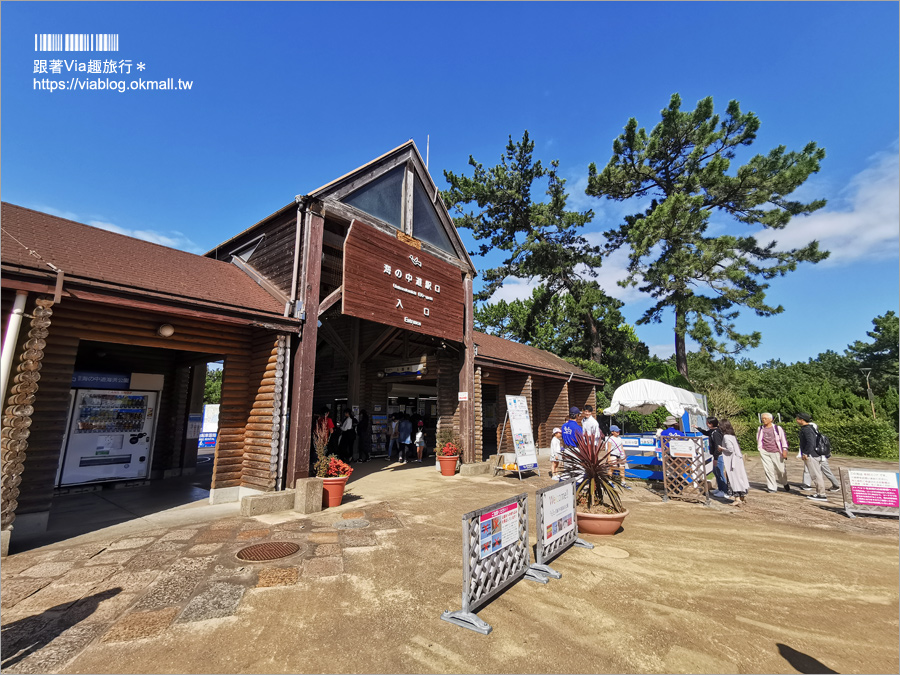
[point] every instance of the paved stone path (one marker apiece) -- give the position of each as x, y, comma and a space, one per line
138, 586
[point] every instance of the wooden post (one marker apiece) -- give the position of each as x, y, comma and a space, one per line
467, 379
353, 371
304, 365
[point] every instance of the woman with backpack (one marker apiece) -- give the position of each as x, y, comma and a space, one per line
734, 464
773, 449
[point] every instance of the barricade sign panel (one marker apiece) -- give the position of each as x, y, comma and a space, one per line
557, 528
520, 427
496, 554
866, 491
684, 473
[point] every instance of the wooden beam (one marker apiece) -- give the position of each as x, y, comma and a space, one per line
467, 379
332, 298
379, 344
264, 283
304, 364
332, 338
353, 370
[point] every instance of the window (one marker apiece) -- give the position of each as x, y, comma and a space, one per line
382, 198
427, 225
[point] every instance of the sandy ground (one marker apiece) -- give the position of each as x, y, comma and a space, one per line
783, 585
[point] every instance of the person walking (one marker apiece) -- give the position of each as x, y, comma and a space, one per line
773, 449
615, 447
734, 464
589, 425
420, 441
348, 435
394, 441
811, 457
363, 432
826, 471
405, 430
714, 434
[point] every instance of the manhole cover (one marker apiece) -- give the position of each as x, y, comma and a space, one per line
272, 550
351, 524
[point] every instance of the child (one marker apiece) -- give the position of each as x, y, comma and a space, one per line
555, 451
420, 441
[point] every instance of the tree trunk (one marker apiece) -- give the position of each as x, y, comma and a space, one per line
680, 352
596, 345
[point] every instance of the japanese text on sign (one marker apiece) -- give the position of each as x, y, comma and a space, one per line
874, 488
498, 529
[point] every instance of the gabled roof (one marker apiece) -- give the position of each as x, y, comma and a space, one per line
118, 263
351, 182
506, 353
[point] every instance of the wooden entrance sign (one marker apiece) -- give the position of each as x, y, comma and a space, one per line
390, 282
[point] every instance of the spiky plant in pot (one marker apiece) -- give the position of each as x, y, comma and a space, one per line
591, 464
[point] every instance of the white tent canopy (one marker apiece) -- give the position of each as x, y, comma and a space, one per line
645, 396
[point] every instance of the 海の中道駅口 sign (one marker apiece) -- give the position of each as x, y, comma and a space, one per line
390, 282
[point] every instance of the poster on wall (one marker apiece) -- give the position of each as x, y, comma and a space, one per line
498, 529
520, 426
558, 507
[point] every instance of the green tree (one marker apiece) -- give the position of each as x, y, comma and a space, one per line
555, 323
682, 167
538, 239
212, 390
880, 355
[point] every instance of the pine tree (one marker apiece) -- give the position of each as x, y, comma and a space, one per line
683, 166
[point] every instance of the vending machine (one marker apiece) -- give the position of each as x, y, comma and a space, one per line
110, 436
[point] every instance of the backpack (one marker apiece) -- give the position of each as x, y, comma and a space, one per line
823, 445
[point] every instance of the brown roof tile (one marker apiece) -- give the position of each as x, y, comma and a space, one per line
91, 254
515, 353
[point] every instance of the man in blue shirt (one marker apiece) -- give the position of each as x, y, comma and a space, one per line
672, 427
571, 430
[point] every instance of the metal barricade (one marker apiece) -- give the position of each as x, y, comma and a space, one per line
868, 491
557, 527
486, 573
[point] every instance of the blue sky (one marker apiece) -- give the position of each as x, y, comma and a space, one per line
288, 96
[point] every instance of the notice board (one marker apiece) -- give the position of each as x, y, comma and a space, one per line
520, 427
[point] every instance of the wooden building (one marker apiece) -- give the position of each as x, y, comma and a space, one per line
356, 294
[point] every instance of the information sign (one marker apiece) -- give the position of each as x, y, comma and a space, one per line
874, 488
498, 529
682, 449
520, 425
558, 509
194, 425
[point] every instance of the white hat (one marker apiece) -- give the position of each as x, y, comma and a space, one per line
557, 430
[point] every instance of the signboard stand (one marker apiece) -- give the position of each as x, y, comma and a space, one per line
684, 469
523, 439
874, 492
557, 528
496, 554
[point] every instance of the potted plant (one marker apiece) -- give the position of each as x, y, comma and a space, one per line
598, 508
448, 455
333, 472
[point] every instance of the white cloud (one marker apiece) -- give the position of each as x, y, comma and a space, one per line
515, 288
173, 239
867, 228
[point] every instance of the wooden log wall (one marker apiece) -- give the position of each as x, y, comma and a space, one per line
447, 390
74, 321
556, 407
581, 394
262, 435
479, 416
18, 415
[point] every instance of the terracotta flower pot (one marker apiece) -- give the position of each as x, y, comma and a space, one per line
333, 490
599, 523
448, 464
